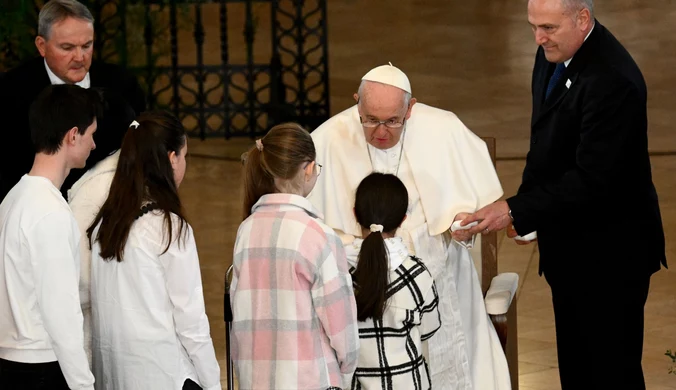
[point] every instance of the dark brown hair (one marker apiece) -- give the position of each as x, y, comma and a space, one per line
144, 174
59, 108
381, 199
284, 148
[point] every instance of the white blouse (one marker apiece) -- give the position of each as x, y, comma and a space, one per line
150, 329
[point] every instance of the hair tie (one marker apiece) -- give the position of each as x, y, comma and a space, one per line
134, 124
376, 228
259, 145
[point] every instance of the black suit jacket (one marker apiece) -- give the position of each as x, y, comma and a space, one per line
123, 98
587, 186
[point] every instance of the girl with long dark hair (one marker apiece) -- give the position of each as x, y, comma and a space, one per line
150, 329
395, 293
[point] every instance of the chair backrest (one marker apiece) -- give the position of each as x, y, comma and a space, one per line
488, 242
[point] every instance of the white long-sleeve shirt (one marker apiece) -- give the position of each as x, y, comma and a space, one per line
40, 314
85, 198
149, 325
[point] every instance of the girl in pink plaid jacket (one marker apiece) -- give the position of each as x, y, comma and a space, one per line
294, 313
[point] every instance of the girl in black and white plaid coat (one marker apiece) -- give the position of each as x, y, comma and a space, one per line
395, 293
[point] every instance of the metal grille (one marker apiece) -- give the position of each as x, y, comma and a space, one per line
189, 59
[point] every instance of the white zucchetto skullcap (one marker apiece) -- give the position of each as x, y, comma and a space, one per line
390, 75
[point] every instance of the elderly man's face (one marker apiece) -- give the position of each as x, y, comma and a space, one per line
381, 102
68, 50
558, 30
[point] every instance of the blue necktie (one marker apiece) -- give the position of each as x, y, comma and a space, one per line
555, 78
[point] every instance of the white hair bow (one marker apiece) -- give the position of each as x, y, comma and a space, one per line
134, 124
376, 228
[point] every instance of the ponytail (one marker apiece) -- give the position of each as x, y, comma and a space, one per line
371, 278
257, 181
277, 155
380, 206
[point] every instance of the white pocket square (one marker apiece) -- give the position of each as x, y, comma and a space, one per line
568, 83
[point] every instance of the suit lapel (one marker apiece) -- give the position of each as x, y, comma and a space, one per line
580, 59
41, 79
541, 74
559, 91
94, 76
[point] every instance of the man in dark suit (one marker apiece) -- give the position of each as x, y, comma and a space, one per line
587, 192
65, 42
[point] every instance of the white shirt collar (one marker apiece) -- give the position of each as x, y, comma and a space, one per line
55, 80
585, 39
396, 251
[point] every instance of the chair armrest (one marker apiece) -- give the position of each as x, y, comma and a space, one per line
501, 292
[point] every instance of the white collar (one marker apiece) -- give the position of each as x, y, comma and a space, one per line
55, 80
585, 39
284, 202
398, 148
396, 250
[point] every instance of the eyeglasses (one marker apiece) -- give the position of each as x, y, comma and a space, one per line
318, 167
390, 123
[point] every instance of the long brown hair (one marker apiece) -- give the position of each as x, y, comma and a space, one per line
144, 174
277, 155
381, 199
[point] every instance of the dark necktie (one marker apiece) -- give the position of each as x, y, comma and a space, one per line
555, 78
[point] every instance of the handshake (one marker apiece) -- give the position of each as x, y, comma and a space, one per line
493, 217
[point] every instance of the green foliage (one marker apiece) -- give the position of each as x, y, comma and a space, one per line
18, 23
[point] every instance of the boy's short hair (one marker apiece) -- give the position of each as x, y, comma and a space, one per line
59, 108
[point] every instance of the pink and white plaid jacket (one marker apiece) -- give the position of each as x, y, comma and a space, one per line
295, 318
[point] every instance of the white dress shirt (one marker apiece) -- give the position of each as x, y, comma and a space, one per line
55, 80
149, 325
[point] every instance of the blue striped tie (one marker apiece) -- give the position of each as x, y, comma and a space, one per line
555, 78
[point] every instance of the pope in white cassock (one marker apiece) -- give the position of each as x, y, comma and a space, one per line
448, 173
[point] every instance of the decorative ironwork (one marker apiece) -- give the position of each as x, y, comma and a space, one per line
214, 95
230, 88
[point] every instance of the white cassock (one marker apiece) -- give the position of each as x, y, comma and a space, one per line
447, 170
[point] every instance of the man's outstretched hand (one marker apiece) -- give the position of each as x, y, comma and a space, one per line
493, 217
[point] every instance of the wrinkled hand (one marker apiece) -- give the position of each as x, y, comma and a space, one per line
461, 235
511, 233
493, 217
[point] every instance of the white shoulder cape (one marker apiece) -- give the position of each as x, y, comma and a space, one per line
451, 165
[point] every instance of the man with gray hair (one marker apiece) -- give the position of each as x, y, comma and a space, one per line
586, 183
65, 42
448, 173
